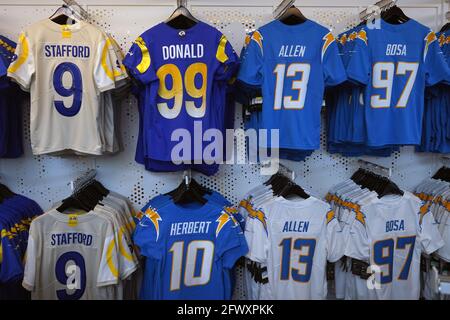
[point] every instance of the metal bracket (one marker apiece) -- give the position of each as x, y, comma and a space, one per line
187, 177
282, 7
83, 180
375, 168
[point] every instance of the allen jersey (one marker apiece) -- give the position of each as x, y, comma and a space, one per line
72, 257
292, 64
396, 62
180, 67
294, 239
390, 234
192, 249
65, 68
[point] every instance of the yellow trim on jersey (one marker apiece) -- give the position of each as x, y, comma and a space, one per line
258, 38
6, 46
1, 253
329, 39
121, 246
109, 259
23, 54
143, 66
111, 73
330, 216
423, 212
363, 36
222, 220
220, 54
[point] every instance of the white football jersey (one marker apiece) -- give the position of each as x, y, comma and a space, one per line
65, 68
71, 257
294, 239
390, 234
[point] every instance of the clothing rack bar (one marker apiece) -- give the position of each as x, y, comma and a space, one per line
282, 7
375, 168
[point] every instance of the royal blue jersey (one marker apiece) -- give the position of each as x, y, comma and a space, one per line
292, 64
396, 62
180, 66
193, 250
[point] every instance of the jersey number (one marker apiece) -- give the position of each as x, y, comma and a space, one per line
288, 102
75, 90
304, 262
383, 78
383, 254
72, 276
176, 90
196, 263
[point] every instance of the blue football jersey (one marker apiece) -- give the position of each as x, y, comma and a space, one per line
193, 248
180, 66
396, 62
292, 64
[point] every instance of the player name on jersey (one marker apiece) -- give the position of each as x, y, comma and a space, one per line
288, 51
296, 226
65, 50
183, 51
71, 238
191, 227
395, 225
394, 49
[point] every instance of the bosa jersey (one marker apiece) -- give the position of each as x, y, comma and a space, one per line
390, 234
65, 68
294, 239
180, 68
396, 62
292, 64
193, 248
72, 257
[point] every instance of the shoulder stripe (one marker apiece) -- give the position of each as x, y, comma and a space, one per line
330, 216
258, 38
220, 54
25, 49
143, 66
429, 39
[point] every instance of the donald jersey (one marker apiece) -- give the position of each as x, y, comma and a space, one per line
292, 64
396, 62
294, 239
180, 67
72, 257
193, 250
390, 234
65, 68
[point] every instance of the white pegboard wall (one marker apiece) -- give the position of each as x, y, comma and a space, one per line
46, 179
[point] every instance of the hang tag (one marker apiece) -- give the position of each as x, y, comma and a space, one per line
66, 32
73, 220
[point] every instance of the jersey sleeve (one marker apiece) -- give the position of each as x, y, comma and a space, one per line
230, 240
31, 256
257, 236
227, 59
109, 271
138, 61
251, 69
358, 244
358, 68
436, 67
333, 68
147, 234
104, 70
120, 73
11, 267
428, 232
3, 70
23, 67
335, 243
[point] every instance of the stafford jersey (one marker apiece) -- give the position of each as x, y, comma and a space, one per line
194, 250
390, 234
180, 66
71, 258
65, 68
292, 64
294, 239
396, 62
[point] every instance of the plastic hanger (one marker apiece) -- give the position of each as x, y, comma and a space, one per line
181, 18
394, 15
62, 15
445, 27
292, 16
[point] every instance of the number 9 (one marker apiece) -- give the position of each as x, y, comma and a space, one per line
76, 89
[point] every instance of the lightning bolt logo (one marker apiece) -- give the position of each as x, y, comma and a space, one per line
423, 211
259, 215
330, 216
442, 40
362, 35
343, 39
258, 38
429, 39
154, 218
328, 38
223, 219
